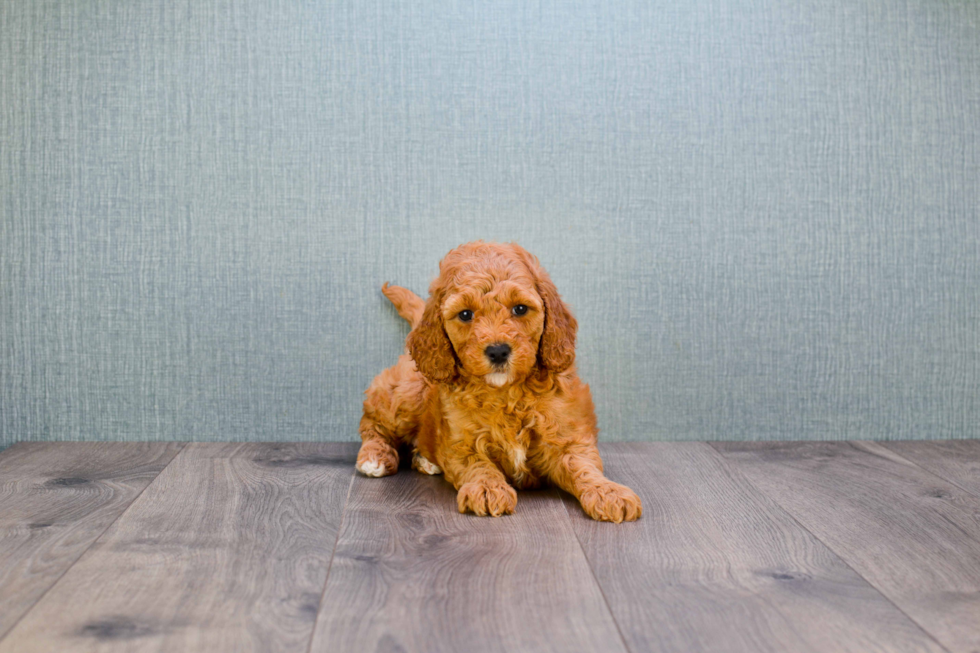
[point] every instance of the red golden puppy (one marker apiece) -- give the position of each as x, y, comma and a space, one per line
487, 392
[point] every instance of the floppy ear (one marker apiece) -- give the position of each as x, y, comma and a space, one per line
557, 349
429, 346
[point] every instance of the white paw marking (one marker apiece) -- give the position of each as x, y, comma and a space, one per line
371, 468
422, 464
496, 379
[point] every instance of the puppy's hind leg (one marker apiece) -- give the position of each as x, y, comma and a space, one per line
391, 415
422, 464
376, 456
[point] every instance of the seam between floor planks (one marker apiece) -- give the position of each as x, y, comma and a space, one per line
856, 571
734, 467
333, 553
242, 470
181, 446
792, 516
949, 633
897, 447
725, 552
595, 579
409, 571
729, 463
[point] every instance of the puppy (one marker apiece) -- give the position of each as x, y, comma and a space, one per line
487, 392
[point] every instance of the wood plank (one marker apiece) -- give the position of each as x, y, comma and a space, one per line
958, 461
56, 499
912, 535
713, 565
227, 550
412, 574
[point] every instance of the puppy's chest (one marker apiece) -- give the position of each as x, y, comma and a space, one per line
510, 441
504, 430
495, 422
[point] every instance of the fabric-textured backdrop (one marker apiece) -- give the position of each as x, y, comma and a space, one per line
764, 212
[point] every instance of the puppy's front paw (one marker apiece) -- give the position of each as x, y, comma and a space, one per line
483, 498
377, 458
611, 502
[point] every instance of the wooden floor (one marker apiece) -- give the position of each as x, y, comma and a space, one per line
282, 547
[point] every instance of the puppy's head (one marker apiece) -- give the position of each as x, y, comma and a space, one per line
493, 314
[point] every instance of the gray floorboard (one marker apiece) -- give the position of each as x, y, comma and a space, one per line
56, 499
914, 536
282, 547
958, 461
412, 574
714, 565
227, 550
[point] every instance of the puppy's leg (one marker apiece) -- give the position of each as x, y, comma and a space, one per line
482, 487
424, 465
391, 416
377, 456
578, 471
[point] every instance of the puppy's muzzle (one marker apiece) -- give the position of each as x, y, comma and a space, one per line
498, 353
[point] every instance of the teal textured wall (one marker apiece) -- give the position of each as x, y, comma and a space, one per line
765, 213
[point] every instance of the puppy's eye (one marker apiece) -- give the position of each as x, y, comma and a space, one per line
465, 316
519, 310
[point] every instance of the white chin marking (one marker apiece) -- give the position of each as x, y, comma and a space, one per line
496, 379
371, 468
423, 464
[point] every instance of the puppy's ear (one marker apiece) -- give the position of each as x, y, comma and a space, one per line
557, 349
429, 346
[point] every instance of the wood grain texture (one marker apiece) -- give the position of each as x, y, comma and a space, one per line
412, 574
912, 535
958, 461
713, 565
227, 550
56, 499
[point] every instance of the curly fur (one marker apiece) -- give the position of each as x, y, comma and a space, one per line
490, 427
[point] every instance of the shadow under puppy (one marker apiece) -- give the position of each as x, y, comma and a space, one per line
488, 392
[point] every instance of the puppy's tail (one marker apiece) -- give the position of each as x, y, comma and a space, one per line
409, 305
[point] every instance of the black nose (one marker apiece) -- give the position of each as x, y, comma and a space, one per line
497, 353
